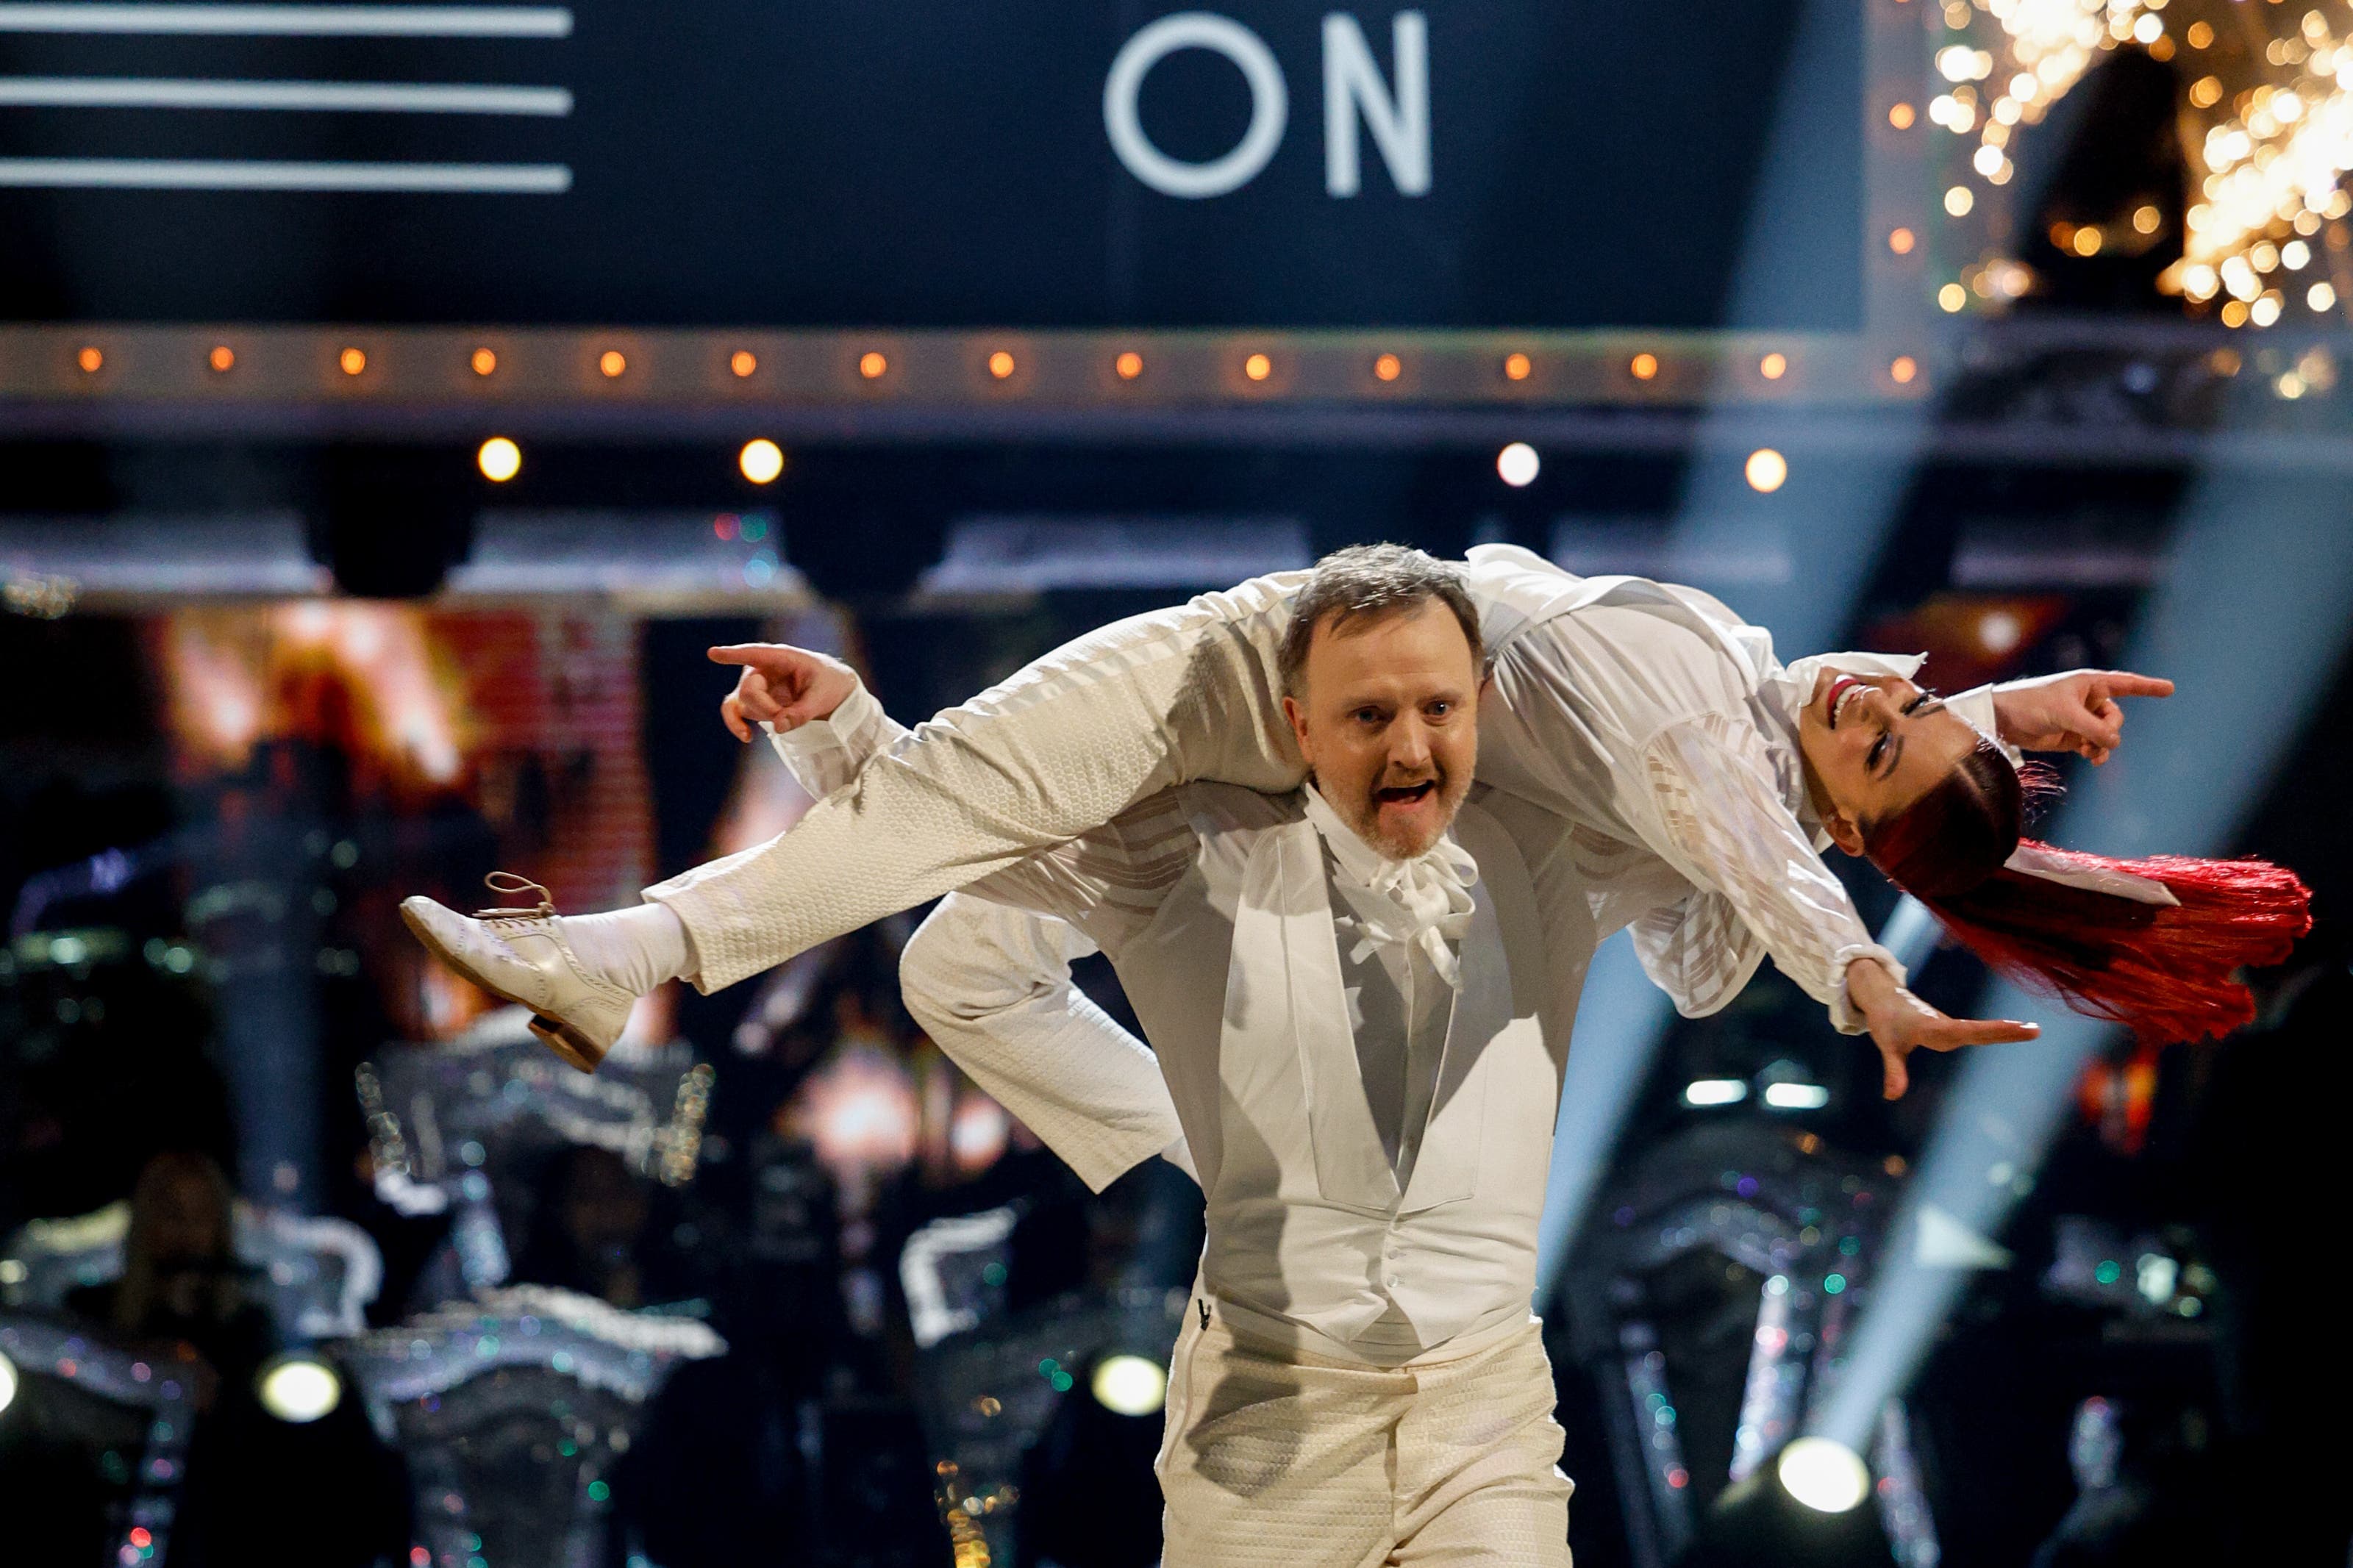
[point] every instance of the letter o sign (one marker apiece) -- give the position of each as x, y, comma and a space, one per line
1269, 104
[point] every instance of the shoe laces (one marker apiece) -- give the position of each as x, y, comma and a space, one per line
512, 886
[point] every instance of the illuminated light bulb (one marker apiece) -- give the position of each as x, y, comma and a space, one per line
2087, 240
1901, 241
1517, 465
1986, 160
7, 1382
762, 460
1000, 365
1516, 367
2235, 313
2145, 218
299, 1388
1900, 115
352, 361
2147, 29
92, 360
2290, 385
1258, 368
1387, 367
1704, 1092
2200, 35
500, 460
1766, 470
871, 366
2266, 310
1958, 201
1826, 1476
2295, 255
1128, 365
1643, 366
1999, 631
612, 363
2206, 92
1129, 1386
743, 363
1952, 296
2321, 297
484, 361
1904, 370
223, 359
1773, 367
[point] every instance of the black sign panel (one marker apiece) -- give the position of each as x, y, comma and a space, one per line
1545, 164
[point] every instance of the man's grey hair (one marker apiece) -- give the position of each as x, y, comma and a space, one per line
1371, 580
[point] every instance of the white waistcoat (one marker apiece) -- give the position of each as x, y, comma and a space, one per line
1305, 1221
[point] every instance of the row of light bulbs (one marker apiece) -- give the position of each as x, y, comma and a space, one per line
873, 366
762, 461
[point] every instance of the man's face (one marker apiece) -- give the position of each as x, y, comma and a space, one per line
1387, 718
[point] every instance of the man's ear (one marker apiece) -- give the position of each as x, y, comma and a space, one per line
1843, 832
1298, 717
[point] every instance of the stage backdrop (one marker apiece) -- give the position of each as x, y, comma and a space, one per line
1537, 163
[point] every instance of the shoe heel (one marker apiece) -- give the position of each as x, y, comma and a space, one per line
568, 1043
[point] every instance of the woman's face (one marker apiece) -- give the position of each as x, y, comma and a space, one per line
1874, 744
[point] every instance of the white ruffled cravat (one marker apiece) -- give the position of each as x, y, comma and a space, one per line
1424, 901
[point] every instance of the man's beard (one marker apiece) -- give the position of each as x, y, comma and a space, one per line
1364, 813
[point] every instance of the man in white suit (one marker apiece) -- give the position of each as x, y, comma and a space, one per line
1360, 994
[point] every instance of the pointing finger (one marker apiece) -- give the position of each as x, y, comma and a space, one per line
758, 655
2123, 683
1981, 1031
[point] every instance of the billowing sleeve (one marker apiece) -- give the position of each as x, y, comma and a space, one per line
1761, 886
992, 985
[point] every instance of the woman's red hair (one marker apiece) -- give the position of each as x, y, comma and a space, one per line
2164, 970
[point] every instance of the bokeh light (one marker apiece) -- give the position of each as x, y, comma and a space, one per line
500, 460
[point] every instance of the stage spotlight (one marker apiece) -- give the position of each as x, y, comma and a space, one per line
1518, 465
1826, 1476
500, 460
1766, 470
1130, 1384
1704, 1092
298, 1387
760, 460
7, 1382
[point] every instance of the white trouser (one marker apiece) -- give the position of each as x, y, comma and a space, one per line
1282, 1459
1061, 748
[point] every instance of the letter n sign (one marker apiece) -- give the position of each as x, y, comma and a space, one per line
1356, 96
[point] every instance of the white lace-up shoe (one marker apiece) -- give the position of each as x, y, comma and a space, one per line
520, 955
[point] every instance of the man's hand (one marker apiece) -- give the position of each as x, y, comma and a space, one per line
1901, 1023
781, 685
2076, 712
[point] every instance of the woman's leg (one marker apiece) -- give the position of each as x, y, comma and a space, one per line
1062, 747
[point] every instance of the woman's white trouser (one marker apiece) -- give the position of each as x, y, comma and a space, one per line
1063, 747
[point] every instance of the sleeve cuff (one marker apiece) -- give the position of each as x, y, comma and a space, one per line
1976, 708
839, 732
1844, 1018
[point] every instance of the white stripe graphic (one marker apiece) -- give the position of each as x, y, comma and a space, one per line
296, 21
382, 97
178, 174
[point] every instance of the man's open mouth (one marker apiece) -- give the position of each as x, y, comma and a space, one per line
1406, 794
